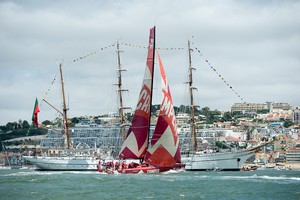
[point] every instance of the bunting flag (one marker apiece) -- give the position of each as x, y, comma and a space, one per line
91, 54
221, 77
143, 47
126, 44
159, 48
36, 110
49, 87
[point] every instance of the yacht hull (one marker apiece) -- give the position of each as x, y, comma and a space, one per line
67, 163
149, 169
230, 161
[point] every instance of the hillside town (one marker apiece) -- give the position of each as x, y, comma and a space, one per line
244, 126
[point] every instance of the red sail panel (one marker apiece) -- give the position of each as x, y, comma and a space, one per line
164, 148
136, 141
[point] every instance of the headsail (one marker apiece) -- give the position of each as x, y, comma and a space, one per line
164, 149
136, 140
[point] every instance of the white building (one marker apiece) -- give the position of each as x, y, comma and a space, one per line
296, 116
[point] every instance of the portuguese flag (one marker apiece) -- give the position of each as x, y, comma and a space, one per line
36, 110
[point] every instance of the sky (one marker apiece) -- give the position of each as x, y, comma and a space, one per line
244, 51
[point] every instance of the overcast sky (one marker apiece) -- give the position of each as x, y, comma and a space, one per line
253, 45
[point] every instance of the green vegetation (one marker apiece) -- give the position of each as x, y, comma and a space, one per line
264, 111
221, 145
21, 129
288, 123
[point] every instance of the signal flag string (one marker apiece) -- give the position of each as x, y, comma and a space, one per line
112, 45
143, 47
49, 87
91, 53
221, 77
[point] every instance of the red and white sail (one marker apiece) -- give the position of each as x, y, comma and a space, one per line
136, 140
164, 149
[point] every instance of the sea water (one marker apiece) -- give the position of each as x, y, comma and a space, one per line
259, 184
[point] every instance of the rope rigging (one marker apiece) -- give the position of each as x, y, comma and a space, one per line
144, 47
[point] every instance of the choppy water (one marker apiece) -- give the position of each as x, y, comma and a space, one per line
259, 184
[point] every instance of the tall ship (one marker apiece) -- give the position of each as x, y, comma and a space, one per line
91, 141
197, 160
68, 158
78, 148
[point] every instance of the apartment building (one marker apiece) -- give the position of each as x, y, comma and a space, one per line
254, 107
243, 107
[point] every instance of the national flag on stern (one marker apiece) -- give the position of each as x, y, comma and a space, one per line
36, 110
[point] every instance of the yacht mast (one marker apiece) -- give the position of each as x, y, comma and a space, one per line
120, 91
64, 107
152, 77
191, 88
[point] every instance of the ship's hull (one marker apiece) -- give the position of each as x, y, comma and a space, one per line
66, 163
150, 169
230, 161
134, 167
144, 169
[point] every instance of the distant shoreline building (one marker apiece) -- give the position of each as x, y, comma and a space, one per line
296, 116
246, 107
254, 107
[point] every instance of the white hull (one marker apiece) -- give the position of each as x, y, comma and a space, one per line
230, 161
64, 163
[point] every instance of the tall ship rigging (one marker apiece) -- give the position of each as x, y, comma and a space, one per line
197, 160
69, 159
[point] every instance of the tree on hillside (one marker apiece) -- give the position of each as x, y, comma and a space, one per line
75, 120
288, 123
264, 111
205, 111
227, 116
46, 123
25, 124
11, 126
3, 128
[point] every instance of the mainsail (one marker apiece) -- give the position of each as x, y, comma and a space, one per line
164, 149
136, 141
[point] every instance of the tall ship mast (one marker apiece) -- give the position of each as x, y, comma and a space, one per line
64, 108
191, 88
64, 112
197, 161
120, 92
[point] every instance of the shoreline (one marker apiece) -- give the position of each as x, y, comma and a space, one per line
286, 165
291, 165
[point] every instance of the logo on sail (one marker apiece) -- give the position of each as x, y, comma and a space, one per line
144, 103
